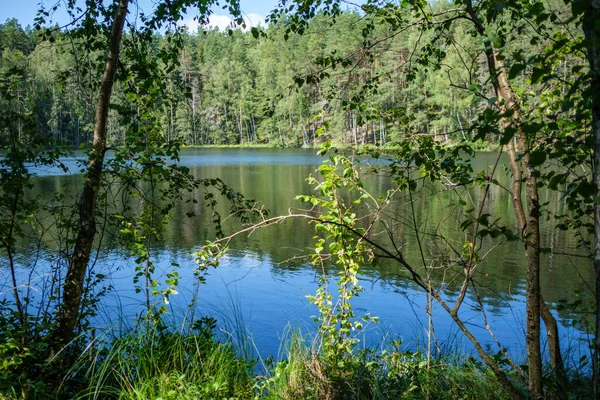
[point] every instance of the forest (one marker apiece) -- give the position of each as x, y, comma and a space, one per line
262, 87
99, 123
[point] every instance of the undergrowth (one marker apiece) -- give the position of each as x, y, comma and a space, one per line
368, 374
160, 363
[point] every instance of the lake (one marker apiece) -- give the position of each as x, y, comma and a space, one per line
258, 293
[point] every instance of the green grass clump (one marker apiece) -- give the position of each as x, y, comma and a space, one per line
368, 374
157, 363
162, 364
154, 362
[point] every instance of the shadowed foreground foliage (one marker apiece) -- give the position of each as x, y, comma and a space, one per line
155, 362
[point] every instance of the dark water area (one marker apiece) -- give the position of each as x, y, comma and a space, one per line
260, 288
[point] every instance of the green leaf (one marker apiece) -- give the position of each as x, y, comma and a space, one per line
537, 75
586, 189
516, 69
557, 180
537, 158
508, 134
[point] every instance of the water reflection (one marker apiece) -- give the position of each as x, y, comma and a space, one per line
265, 278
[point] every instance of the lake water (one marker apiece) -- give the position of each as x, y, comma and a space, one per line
259, 290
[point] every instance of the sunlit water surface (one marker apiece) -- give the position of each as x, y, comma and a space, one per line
258, 293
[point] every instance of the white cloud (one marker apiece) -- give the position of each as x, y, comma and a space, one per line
219, 21
191, 24
223, 22
253, 19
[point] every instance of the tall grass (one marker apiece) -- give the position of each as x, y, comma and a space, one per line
369, 374
156, 362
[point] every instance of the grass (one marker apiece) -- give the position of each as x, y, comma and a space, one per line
369, 374
161, 363
155, 362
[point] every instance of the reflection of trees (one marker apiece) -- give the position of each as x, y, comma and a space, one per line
500, 275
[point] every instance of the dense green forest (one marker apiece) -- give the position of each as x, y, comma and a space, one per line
234, 88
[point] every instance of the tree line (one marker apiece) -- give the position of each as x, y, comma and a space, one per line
269, 86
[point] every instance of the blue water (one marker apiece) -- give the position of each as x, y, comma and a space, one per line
258, 293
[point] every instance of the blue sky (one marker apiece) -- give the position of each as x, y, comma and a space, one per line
25, 11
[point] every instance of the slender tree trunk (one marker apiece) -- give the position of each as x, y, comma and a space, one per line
355, 130
304, 135
462, 131
280, 137
561, 377
591, 29
241, 127
530, 230
373, 133
530, 221
73, 286
8, 244
171, 129
498, 371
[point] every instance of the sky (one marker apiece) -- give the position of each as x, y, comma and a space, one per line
25, 11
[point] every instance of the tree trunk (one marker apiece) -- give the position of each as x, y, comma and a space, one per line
373, 133
355, 130
529, 221
530, 232
560, 375
73, 286
591, 29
